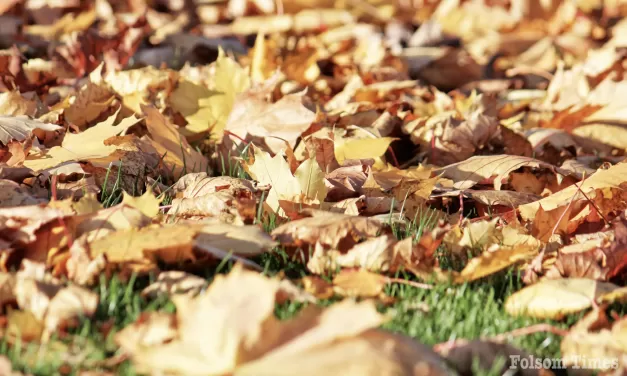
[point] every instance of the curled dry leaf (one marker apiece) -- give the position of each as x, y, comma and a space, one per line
174, 283
600, 262
232, 200
595, 343
493, 260
241, 305
20, 128
51, 303
12, 194
491, 169
328, 229
268, 124
139, 250
604, 188
221, 205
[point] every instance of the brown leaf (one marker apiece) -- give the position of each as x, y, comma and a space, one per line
175, 282
492, 169
332, 230
599, 263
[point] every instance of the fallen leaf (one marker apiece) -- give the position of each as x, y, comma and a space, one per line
329, 229
556, 298
173, 283
316, 339
270, 124
20, 127
147, 203
492, 169
169, 142
82, 146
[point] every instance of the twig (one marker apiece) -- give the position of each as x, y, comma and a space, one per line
410, 283
570, 202
533, 329
593, 204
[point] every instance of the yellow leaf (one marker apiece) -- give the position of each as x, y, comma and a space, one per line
91, 101
612, 177
82, 146
311, 180
361, 283
492, 261
214, 107
169, 142
362, 149
556, 298
273, 171
147, 203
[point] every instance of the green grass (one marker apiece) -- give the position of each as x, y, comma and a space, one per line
446, 312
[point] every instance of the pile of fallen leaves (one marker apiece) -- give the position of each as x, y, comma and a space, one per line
166, 137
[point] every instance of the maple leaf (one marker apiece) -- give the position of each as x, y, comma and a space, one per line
269, 124
82, 146
316, 339
305, 187
172, 145
207, 109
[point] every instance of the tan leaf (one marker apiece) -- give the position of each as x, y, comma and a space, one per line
49, 301
494, 260
14, 104
596, 187
222, 205
556, 298
241, 305
254, 119
90, 102
488, 169
329, 229
169, 142
600, 347
12, 194
173, 283
360, 283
